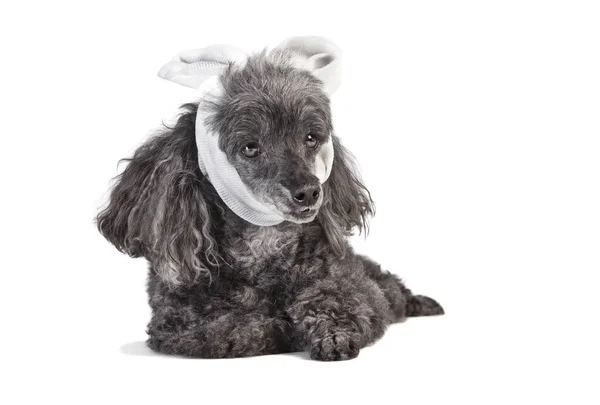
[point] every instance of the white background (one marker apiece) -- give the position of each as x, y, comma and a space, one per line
476, 124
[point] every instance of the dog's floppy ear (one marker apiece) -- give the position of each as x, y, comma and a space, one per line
158, 207
347, 203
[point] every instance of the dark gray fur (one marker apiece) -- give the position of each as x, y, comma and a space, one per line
221, 287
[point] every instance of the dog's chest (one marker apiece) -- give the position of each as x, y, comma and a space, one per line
261, 246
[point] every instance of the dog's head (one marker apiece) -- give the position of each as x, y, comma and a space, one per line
273, 120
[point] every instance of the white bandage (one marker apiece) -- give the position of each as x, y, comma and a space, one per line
201, 69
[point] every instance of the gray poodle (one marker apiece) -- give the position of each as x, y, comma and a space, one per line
220, 286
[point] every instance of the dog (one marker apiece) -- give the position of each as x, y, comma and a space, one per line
220, 286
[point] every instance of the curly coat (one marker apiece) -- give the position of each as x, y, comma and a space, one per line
221, 287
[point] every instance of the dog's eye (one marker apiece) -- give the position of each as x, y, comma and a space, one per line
251, 150
311, 141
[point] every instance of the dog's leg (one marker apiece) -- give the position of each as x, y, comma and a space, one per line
339, 312
402, 301
229, 335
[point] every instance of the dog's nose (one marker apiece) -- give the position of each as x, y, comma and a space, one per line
307, 196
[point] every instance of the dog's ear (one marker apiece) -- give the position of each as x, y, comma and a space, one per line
159, 208
347, 203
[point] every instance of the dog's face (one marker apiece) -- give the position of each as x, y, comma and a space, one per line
273, 121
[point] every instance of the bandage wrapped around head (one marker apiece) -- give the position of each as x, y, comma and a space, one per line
201, 69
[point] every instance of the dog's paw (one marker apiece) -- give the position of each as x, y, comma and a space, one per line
334, 347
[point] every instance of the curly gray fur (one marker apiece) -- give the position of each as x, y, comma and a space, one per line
222, 287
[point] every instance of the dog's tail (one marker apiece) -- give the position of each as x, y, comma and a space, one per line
420, 305
402, 301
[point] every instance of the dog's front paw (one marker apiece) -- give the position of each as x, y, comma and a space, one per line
334, 347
